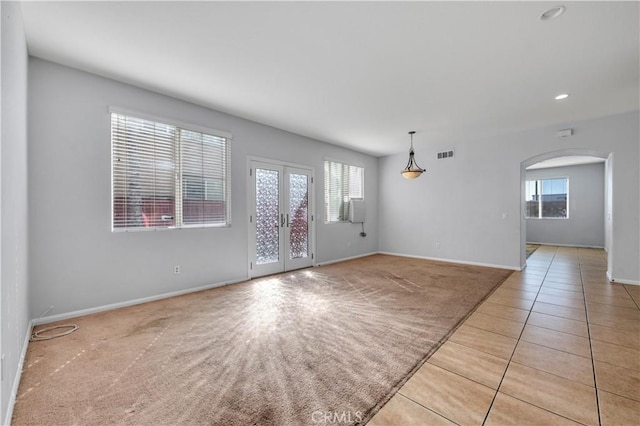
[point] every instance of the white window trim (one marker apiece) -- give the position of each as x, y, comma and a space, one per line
333, 160
186, 126
540, 201
171, 122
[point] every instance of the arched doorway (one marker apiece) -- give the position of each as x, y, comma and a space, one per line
608, 157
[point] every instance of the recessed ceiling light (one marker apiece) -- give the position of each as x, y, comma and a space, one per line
562, 96
552, 13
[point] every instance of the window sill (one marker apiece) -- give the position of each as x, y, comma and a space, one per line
547, 218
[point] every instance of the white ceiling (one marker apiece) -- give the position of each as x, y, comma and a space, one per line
358, 74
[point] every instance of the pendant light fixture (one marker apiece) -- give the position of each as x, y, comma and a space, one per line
412, 171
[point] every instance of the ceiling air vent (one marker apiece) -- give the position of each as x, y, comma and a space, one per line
445, 154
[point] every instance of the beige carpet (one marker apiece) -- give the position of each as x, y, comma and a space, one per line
328, 343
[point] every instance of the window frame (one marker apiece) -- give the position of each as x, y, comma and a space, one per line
540, 201
327, 198
180, 178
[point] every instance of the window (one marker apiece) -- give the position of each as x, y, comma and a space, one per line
342, 182
165, 176
547, 198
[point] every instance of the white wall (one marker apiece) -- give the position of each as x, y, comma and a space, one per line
14, 312
585, 224
460, 202
78, 263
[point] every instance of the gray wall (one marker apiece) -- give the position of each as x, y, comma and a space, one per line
471, 204
585, 225
14, 312
78, 263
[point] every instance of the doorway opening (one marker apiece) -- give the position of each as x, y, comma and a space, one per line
541, 206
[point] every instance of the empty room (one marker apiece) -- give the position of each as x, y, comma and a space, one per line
317, 213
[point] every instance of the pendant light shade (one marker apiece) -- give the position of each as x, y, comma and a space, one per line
412, 171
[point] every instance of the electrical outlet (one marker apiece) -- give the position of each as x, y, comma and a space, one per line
437, 244
176, 269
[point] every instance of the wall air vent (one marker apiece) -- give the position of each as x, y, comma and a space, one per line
564, 133
445, 154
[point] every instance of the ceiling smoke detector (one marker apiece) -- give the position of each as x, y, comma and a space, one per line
552, 13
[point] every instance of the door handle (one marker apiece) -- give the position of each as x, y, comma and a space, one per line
282, 219
287, 220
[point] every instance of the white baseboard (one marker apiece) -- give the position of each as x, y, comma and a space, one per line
16, 380
329, 262
621, 280
463, 262
88, 311
566, 245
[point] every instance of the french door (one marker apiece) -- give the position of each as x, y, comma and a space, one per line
280, 218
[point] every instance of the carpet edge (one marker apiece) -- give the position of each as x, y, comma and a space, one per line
394, 390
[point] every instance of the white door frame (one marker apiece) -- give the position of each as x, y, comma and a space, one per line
250, 215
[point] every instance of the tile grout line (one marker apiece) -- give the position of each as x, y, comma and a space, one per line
593, 360
544, 409
554, 349
558, 331
497, 332
503, 318
630, 296
516, 346
558, 316
426, 408
551, 374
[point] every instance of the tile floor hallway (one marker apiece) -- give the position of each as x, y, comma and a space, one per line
555, 344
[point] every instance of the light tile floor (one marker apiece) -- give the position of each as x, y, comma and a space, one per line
555, 344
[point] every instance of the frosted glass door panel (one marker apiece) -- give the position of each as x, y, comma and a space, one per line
298, 216
298, 193
280, 218
267, 216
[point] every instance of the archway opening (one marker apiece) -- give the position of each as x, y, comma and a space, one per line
547, 203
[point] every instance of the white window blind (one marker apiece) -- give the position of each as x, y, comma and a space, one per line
342, 182
165, 176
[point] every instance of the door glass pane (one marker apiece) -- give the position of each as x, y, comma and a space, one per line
298, 215
267, 216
